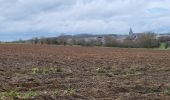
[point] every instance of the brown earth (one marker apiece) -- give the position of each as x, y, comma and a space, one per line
76, 73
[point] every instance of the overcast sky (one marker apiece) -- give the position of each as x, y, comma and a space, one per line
23, 19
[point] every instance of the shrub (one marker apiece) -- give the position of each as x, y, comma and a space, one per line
46, 70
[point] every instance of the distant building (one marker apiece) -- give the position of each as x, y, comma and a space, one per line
130, 32
134, 35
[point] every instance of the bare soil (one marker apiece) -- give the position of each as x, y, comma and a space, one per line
81, 73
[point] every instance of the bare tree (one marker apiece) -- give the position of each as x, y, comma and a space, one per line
147, 40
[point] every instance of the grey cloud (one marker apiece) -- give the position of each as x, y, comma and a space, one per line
79, 16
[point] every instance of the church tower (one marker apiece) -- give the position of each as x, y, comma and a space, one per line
130, 32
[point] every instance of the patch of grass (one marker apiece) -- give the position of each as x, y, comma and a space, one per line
9, 95
30, 94
14, 95
56, 93
45, 70
70, 92
115, 70
109, 74
133, 70
35, 70
100, 70
152, 90
167, 90
163, 46
58, 70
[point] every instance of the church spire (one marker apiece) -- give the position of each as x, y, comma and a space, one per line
130, 31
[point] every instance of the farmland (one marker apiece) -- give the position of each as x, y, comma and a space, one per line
50, 72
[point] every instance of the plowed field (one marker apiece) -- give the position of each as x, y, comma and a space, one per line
49, 72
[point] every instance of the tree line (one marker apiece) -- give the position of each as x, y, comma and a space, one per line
145, 40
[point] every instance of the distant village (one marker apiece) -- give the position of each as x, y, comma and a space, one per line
132, 35
120, 38
132, 40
